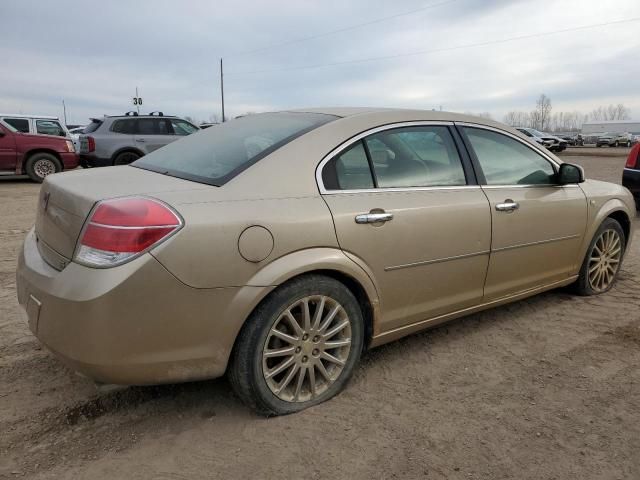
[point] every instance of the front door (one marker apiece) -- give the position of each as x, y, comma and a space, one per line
8, 153
538, 226
402, 205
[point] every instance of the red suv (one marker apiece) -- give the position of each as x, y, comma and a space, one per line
35, 155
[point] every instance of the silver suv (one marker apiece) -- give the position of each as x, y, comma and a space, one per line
119, 140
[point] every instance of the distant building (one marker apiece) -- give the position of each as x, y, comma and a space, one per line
612, 126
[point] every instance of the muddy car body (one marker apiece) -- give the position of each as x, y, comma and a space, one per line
276, 247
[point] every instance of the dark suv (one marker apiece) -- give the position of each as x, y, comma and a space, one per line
119, 140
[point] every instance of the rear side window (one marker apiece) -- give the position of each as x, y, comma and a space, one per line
348, 171
506, 161
123, 126
153, 126
216, 155
20, 124
401, 158
50, 127
415, 157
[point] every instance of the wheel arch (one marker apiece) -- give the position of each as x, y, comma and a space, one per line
27, 155
126, 150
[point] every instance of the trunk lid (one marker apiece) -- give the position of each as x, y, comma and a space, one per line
66, 200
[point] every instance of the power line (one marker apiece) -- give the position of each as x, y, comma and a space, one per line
340, 30
437, 50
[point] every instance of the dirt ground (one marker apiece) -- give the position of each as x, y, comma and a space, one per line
545, 388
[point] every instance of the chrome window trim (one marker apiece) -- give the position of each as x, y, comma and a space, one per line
534, 185
524, 142
347, 143
400, 189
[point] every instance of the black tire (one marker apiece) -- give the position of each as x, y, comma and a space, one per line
582, 285
125, 158
246, 364
39, 165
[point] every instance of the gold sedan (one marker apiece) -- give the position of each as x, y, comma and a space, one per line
277, 247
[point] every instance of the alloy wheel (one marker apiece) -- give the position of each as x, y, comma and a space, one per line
306, 348
44, 167
604, 261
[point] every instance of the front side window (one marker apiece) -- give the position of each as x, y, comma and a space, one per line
50, 127
216, 155
181, 127
506, 161
19, 124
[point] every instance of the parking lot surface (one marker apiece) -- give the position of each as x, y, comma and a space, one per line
545, 388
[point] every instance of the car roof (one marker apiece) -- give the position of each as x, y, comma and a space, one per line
22, 115
410, 114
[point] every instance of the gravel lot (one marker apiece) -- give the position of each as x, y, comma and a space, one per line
546, 388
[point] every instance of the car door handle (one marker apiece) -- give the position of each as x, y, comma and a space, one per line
374, 217
140, 140
507, 206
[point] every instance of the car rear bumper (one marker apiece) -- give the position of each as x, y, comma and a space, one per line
89, 161
135, 324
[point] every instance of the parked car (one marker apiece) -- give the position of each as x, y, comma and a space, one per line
75, 133
551, 142
631, 173
535, 138
122, 139
35, 155
35, 124
572, 139
277, 247
615, 140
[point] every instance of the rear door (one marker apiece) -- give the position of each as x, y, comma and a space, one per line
405, 203
8, 153
153, 133
537, 225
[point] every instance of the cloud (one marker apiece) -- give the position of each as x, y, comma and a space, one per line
94, 53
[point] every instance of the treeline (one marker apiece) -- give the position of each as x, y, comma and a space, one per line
542, 118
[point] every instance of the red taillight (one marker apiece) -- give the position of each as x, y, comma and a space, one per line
91, 144
633, 160
120, 229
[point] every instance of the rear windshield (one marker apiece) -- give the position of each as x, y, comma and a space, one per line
217, 154
93, 126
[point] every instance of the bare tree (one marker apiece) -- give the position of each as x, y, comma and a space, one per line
612, 112
541, 116
517, 119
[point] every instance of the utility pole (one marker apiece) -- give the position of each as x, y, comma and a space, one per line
64, 109
222, 88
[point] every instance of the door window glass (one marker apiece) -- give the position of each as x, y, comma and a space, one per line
180, 127
348, 171
50, 127
506, 161
20, 124
124, 126
415, 157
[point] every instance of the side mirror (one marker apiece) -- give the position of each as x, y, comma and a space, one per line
2, 134
570, 173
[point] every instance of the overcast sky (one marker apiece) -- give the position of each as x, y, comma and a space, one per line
94, 53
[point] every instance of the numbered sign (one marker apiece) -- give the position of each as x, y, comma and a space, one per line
137, 101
